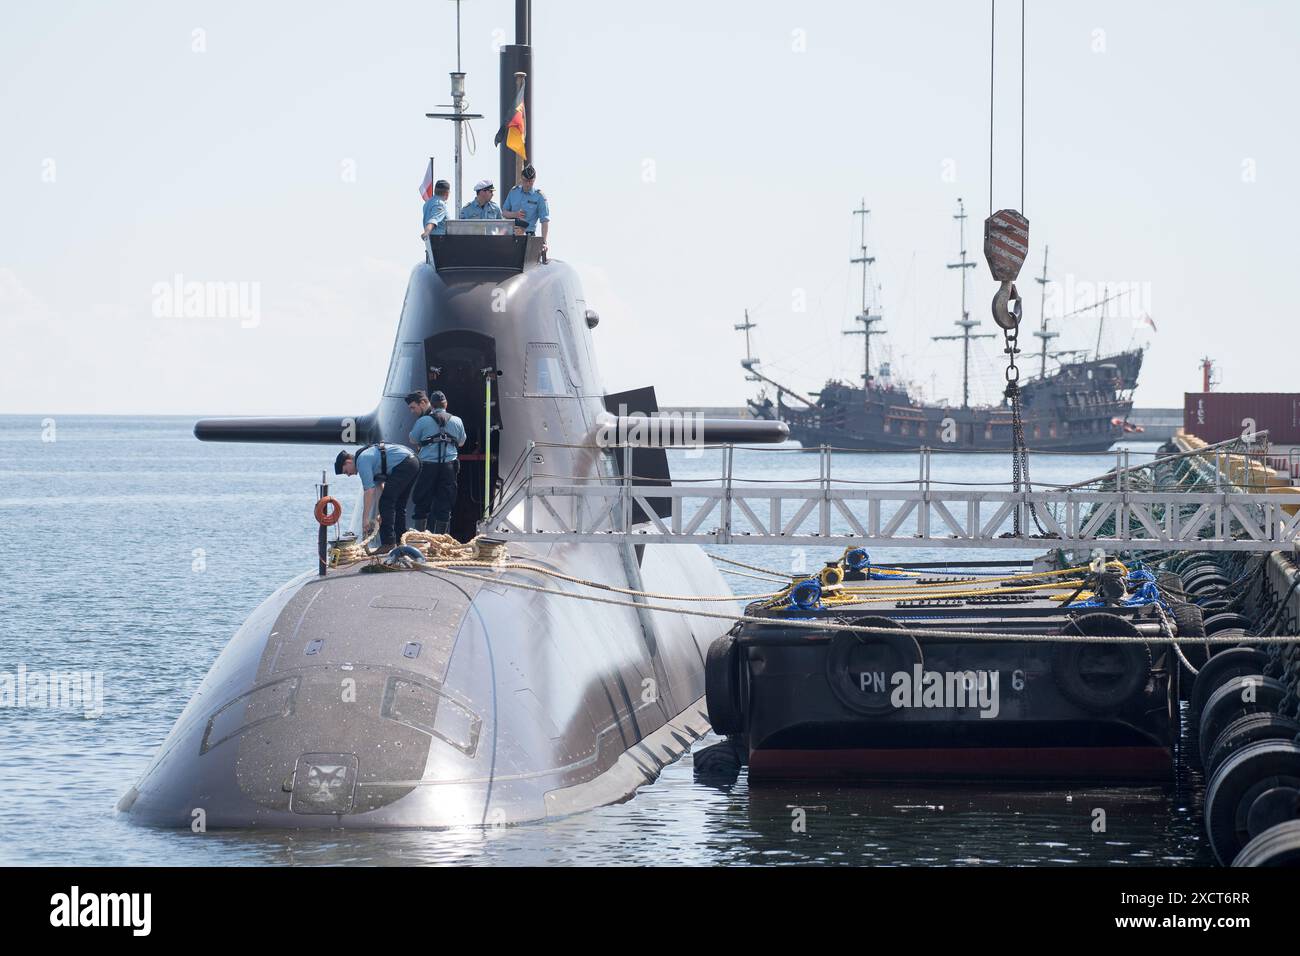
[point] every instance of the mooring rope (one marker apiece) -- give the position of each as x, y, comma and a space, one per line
751, 567
743, 574
806, 624
449, 556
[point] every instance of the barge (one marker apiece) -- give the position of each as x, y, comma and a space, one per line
895, 674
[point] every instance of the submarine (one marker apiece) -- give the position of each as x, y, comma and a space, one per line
356, 700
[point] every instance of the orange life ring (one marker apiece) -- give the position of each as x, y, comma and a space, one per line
328, 511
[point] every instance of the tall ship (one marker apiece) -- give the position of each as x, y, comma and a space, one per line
1081, 404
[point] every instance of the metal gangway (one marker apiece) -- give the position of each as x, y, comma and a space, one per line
1131, 507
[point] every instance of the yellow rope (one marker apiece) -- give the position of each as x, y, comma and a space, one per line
861, 596
856, 593
1025, 576
342, 553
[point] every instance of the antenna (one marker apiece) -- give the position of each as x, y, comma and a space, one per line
865, 316
457, 116
1208, 378
1042, 332
966, 323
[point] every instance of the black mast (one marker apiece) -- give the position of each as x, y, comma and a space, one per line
865, 316
517, 58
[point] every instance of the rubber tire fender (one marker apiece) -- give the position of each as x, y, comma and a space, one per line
1069, 660
1246, 730
726, 686
1233, 787
1225, 620
1213, 606
846, 691
1204, 583
1185, 566
1276, 846
1171, 585
1227, 704
1221, 667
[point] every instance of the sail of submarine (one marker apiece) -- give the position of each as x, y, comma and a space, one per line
416, 700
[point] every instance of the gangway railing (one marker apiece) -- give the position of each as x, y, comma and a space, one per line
730, 510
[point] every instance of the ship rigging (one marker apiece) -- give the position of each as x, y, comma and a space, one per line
1080, 405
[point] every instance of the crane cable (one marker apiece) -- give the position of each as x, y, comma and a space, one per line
1019, 450
993, 17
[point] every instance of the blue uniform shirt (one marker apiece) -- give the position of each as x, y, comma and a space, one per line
369, 460
533, 203
435, 211
473, 210
426, 426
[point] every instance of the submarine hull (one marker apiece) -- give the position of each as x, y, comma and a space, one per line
418, 699
425, 698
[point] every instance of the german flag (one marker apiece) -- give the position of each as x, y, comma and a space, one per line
515, 130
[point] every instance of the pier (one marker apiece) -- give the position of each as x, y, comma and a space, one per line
1129, 507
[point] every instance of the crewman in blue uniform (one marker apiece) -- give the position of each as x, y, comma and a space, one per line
388, 473
437, 434
528, 205
482, 206
435, 210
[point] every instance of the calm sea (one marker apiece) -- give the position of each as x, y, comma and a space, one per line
135, 551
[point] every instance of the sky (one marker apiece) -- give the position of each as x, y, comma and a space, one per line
700, 159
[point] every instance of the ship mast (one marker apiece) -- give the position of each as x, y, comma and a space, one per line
966, 323
752, 374
1042, 332
1101, 320
749, 362
865, 316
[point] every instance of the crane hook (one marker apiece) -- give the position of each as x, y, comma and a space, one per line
1007, 306
1006, 242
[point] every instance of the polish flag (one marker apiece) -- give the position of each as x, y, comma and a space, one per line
426, 187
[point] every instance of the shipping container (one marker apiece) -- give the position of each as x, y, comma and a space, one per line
1220, 416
